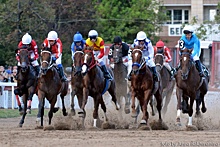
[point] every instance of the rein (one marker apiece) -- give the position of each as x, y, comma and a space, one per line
93, 63
139, 65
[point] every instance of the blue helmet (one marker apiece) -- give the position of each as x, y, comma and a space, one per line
77, 37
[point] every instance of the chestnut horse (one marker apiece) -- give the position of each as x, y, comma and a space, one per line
50, 85
76, 80
27, 81
142, 86
189, 84
96, 85
167, 83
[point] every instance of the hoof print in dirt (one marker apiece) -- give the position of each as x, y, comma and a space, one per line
158, 125
107, 125
50, 127
191, 128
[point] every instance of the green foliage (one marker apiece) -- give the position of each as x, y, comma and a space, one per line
126, 17
9, 113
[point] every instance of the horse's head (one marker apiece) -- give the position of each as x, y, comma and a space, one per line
46, 60
78, 61
88, 60
185, 62
159, 60
137, 59
117, 54
24, 56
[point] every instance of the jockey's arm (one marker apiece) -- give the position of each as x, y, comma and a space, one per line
196, 49
101, 53
168, 55
150, 50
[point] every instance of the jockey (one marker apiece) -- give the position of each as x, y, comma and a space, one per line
30, 44
98, 44
123, 46
189, 40
148, 52
161, 49
52, 41
78, 44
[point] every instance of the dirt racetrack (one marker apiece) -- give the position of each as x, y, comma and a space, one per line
208, 134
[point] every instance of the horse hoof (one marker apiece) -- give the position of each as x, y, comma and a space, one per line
81, 114
191, 128
21, 112
73, 112
153, 114
20, 125
143, 127
55, 109
28, 111
133, 114
158, 125
127, 110
204, 110
65, 113
143, 122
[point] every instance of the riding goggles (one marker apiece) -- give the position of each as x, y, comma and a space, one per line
92, 37
186, 32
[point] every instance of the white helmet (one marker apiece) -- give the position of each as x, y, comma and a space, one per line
93, 33
52, 35
26, 39
188, 28
141, 35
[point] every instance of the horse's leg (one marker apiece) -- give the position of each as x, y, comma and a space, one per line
25, 109
179, 93
82, 112
198, 102
31, 92
19, 104
73, 93
63, 105
192, 98
133, 111
112, 92
52, 104
128, 98
167, 100
41, 98
103, 108
144, 102
158, 96
152, 105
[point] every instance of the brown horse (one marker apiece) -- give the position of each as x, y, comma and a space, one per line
27, 81
167, 83
76, 80
120, 75
142, 86
50, 86
189, 84
96, 85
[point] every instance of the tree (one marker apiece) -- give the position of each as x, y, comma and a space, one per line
126, 17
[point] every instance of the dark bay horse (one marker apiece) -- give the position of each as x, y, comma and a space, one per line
76, 80
120, 75
96, 85
142, 86
167, 83
189, 84
27, 81
50, 85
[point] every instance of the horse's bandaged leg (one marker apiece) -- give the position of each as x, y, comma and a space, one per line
95, 123
190, 121
178, 113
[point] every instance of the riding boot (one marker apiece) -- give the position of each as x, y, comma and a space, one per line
129, 76
172, 72
18, 70
37, 70
62, 75
155, 76
106, 73
199, 67
176, 69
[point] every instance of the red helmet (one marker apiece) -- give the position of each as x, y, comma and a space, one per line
160, 44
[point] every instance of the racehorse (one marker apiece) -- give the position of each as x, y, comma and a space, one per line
167, 83
120, 74
143, 87
50, 86
76, 79
189, 84
27, 81
96, 85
